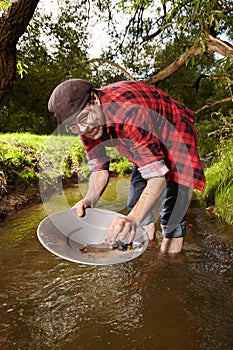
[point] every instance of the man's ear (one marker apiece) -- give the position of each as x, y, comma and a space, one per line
95, 99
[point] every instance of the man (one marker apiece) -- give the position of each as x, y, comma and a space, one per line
154, 132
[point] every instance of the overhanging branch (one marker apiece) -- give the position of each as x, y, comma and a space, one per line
174, 66
215, 103
116, 65
223, 48
212, 45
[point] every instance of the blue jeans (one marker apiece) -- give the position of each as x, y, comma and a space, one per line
174, 206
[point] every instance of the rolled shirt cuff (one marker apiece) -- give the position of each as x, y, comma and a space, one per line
155, 169
99, 164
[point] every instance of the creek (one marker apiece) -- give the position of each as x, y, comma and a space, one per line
152, 302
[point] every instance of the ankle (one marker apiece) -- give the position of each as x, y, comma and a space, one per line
172, 245
150, 230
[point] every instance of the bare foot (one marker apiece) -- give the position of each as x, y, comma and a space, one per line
172, 245
150, 230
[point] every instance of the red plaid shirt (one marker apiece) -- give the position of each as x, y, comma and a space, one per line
149, 128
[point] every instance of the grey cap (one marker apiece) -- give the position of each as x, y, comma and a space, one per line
69, 98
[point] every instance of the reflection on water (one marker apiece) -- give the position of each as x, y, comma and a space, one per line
152, 302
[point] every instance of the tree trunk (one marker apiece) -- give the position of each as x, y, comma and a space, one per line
13, 24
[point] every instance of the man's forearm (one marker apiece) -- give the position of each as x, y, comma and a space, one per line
150, 195
97, 183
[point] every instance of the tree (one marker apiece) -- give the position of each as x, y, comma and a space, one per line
164, 43
201, 23
51, 51
13, 24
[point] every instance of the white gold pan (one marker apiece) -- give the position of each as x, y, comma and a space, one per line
66, 235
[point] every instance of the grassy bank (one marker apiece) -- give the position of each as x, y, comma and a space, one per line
26, 159
218, 192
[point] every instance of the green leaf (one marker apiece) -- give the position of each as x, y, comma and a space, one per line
4, 5
21, 68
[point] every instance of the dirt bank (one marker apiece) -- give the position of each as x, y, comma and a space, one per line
14, 200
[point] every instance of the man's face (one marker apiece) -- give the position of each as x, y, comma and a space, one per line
89, 122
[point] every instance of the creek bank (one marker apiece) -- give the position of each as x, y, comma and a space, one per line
16, 199
12, 199
216, 238
11, 202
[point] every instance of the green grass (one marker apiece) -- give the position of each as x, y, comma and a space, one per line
26, 159
219, 183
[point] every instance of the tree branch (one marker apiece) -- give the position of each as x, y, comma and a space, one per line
212, 45
175, 66
116, 65
223, 48
229, 81
160, 23
203, 76
151, 36
215, 103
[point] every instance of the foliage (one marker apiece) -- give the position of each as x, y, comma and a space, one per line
22, 155
219, 182
223, 201
213, 131
186, 85
55, 48
121, 167
176, 17
19, 158
48, 53
205, 16
26, 159
21, 68
156, 33
4, 4
161, 20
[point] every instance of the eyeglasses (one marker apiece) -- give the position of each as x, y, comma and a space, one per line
78, 129
81, 126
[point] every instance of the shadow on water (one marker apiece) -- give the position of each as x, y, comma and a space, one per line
152, 302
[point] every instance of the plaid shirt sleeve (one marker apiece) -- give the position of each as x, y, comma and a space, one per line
96, 154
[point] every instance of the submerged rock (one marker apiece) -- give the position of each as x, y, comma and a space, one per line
104, 247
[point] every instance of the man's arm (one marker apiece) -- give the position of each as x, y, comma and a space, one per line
97, 183
150, 195
127, 226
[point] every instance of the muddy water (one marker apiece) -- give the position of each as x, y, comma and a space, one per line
152, 302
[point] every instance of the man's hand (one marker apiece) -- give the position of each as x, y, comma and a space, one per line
97, 183
81, 206
120, 228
